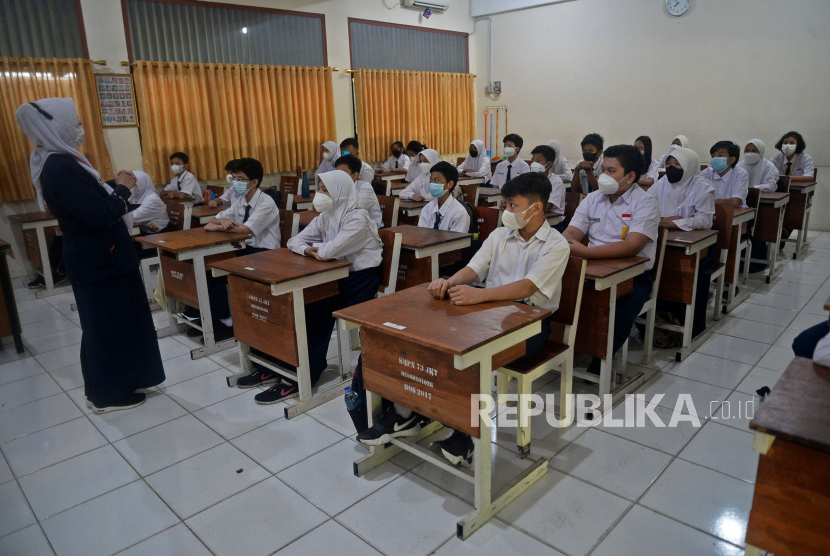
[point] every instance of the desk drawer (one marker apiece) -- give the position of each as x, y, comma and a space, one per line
412, 271
677, 280
250, 297
179, 280
32, 247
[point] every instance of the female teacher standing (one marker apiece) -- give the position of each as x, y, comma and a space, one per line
119, 349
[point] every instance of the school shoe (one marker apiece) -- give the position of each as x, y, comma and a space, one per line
258, 377
458, 448
37, 283
279, 392
221, 332
390, 425
194, 332
127, 402
59, 280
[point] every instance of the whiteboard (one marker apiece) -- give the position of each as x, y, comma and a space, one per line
480, 8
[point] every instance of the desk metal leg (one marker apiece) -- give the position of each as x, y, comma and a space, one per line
801, 239
173, 324
344, 337
734, 299
211, 346
606, 366
244, 363
772, 272
690, 344
435, 272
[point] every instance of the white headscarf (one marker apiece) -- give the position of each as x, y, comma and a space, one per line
475, 161
431, 155
328, 165
557, 148
342, 191
56, 135
756, 171
689, 161
145, 186
683, 141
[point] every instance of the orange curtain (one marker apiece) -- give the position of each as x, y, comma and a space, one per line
434, 108
29, 79
279, 115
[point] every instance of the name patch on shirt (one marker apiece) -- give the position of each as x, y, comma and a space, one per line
591, 219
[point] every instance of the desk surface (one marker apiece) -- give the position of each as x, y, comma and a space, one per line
298, 199
187, 240
690, 237
277, 266
802, 184
307, 216
203, 210
32, 217
440, 324
603, 268
488, 191
390, 177
742, 211
772, 197
409, 205
796, 409
416, 237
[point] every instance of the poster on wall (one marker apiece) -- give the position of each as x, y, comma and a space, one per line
117, 99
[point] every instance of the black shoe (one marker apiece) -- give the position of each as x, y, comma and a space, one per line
127, 402
37, 283
277, 393
390, 425
259, 376
59, 280
191, 313
194, 332
594, 366
458, 448
221, 332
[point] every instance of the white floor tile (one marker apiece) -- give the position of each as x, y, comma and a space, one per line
666, 438
166, 444
778, 300
205, 390
496, 538
56, 340
181, 368
5, 471
36, 416
170, 348
16, 511
32, 305
61, 299
176, 541
738, 410
703, 396
38, 315
334, 415
787, 337
777, 358
156, 410
711, 370
74, 481
751, 330
329, 538
27, 390
30, 540
816, 307
546, 440
22, 295
806, 320
60, 358
723, 449
240, 414
9, 354
78, 396
46, 327
734, 349
763, 313
758, 378
280, 514
69, 378
20, 369
793, 289
115, 521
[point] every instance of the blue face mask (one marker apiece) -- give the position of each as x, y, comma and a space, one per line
719, 164
345, 153
240, 187
437, 190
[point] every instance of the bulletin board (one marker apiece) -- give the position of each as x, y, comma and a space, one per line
116, 98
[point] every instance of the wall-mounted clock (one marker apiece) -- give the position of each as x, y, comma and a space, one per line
678, 7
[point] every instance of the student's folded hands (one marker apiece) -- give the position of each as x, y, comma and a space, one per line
438, 288
466, 295
312, 252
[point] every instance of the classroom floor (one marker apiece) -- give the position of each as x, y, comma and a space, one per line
200, 469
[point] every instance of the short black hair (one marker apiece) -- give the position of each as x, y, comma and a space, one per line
447, 170
415, 147
183, 157
251, 167
530, 185
350, 160
646, 141
230, 167
594, 139
629, 158
546, 151
399, 143
349, 142
515, 139
799, 140
731, 148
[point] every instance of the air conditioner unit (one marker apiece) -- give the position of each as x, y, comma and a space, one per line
420, 5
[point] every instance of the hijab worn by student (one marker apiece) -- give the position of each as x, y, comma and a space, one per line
432, 156
328, 165
557, 148
689, 161
342, 191
758, 171
474, 162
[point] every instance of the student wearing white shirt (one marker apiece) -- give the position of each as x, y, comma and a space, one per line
730, 182
762, 173
792, 160
229, 196
418, 189
151, 215
621, 220
348, 147
398, 163
651, 168
542, 161
512, 166
589, 168
184, 186
477, 163
524, 260
677, 142
366, 197
560, 166
412, 150
687, 202
444, 212
330, 152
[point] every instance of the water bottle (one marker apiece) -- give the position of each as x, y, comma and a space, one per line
352, 399
305, 191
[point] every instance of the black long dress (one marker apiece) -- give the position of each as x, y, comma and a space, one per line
119, 349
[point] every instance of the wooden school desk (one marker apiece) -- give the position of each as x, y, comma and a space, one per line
797, 215
469, 180
37, 226
9, 320
303, 203
792, 489
489, 196
410, 211
187, 215
678, 282
306, 217
740, 217
204, 214
768, 228
268, 293
426, 243
606, 280
553, 218
393, 182
183, 257
432, 357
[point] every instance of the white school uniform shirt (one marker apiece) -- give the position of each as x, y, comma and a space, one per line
734, 184
401, 162
229, 197
763, 175
263, 219
557, 193
653, 171
414, 170
517, 167
693, 201
368, 201
186, 182
478, 166
603, 222
821, 354
583, 178
560, 166
151, 215
802, 164
505, 257
454, 217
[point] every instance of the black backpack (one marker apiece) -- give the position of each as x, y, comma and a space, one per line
275, 194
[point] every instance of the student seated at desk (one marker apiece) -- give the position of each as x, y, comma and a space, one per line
342, 231
366, 198
253, 213
398, 163
560, 166
762, 173
687, 202
730, 182
330, 152
512, 165
542, 162
229, 196
350, 147
412, 150
418, 188
589, 168
651, 167
444, 212
477, 163
677, 142
151, 215
792, 160
621, 221
524, 260
184, 187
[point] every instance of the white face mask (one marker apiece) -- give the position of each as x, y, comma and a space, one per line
176, 169
538, 167
425, 167
752, 158
607, 184
509, 152
322, 202
788, 149
81, 134
512, 221
326, 156
673, 146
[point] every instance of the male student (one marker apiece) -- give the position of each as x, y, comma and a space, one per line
229, 196
621, 221
444, 212
524, 260
730, 182
349, 146
184, 186
542, 160
512, 165
589, 168
398, 163
253, 213
366, 198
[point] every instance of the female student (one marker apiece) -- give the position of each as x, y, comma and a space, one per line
412, 150
560, 166
792, 160
650, 167
418, 189
398, 163
762, 172
677, 142
331, 152
477, 163
345, 232
151, 214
